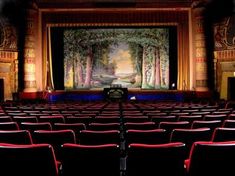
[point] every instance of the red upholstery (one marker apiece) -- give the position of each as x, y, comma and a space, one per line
156, 136
88, 160
140, 125
89, 137
159, 159
103, 126
54, 138
223, 134
9, 126
16, 137
212, 124
36, 126
189, 136
5, 119
28, 160
211, 158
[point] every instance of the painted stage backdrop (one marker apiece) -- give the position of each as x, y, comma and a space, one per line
131, 57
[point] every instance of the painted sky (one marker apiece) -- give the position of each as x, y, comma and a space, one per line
121, 56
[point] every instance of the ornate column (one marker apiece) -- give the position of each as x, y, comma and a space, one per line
200, 55
29, 49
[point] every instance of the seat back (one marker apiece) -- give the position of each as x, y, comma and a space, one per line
161, 159
135, 118
54, 138
103, 126
172, 125
20, 120
221, 117
5, 119
16, 137
9, 126
86, 160
76, 127
140, 125
229, 124
223, 134
27, 160
212, 158
212, 124
89, 137
163, 118
83, 119
189, 136
106, 119
190, 118
157, 136
52, 119
35, 126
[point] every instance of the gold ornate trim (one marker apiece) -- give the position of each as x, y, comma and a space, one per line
9, 72
7, 56
225, 55
122, 18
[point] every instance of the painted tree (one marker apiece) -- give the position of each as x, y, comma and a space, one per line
144, 68
157, 68
89, 61
74, 52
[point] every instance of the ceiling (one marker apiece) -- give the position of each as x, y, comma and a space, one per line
113, 3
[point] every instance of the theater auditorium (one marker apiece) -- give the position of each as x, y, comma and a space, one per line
117, 87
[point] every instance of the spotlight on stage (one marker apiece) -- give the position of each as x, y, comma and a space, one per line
133, 98
173, 86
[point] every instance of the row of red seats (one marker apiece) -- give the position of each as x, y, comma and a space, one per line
206, 158
130, 120
87, 137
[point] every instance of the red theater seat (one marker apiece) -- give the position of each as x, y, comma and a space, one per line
103, 126
229, 124
90, 137
35, 126
74, 119
189, 136
212, 124
169, 126
76, 127
210, 117
52, 119
27, 160
190, 118
106, 119
54, 138
158, 119
136, 119
16, 137
157, 136
211, 158
140, 125
89, 160
223, 134
9, 126
5, 119
20, 120
160, 160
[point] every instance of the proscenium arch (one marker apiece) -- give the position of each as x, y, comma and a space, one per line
122, 18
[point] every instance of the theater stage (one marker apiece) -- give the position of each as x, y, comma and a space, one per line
100, 95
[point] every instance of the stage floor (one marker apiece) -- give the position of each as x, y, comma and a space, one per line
99, 95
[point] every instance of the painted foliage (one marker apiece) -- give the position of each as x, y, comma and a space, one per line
132, 57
